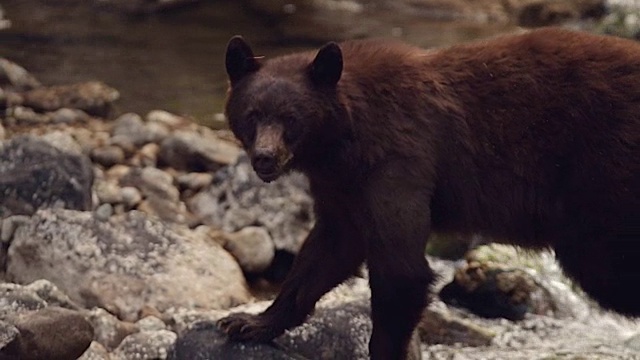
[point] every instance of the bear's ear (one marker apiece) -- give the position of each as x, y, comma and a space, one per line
239, 59
326, 68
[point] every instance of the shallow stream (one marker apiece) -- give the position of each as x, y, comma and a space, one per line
173, 60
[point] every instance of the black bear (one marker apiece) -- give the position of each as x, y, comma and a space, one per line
529, 139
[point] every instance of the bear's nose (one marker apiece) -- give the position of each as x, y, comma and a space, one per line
264, 163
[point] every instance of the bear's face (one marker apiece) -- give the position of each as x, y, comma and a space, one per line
278, 109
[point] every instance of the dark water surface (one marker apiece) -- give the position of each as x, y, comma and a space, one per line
171, 61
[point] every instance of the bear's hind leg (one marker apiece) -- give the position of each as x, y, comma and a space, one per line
607, 267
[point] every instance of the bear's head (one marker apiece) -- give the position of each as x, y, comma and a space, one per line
282, 110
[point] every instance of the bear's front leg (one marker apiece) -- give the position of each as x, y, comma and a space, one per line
331, 253
399, 218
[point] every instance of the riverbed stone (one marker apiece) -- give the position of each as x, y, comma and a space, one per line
16, 298
68, 116
95, 352
237, 198
109, 331
16, 76
108, 192
130, 127
146, 345
131, 196
93, 97
108, 156
194, 181
23, 116
51, 333
167, 119
62, 141
150, 323
191, 151
252, 247
8, 334
126, 263
37, 175
161, 196
147, 156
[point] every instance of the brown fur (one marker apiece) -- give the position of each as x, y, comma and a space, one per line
529, 139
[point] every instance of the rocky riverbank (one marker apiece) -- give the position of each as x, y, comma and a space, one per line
127, 237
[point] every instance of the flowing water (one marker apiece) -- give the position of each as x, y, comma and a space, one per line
172, 60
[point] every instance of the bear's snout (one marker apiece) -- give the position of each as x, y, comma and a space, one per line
266, 166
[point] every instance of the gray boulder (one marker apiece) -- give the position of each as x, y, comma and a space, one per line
34, 175
125, 263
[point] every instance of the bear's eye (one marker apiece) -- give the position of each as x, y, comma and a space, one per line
245, 130
292, 129
289, 121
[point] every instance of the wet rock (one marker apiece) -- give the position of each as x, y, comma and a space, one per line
4, 22
147, 156
103, 212
26, 116
9, 226
117, 173
205, 341
150, 323
252, 247
15, 75
62, 141
15, 298
167, 119
633, 343
339, 329
125, 264
194, 181
492, 291
50, 333
51, 294
108, 192
109, 331
108, 156
161, 197
130, 128
238, 198
89, 139
95, 352
8, 334
146, 345
27, 317
36, 175
68, 116
499, 281
153, 182
93, 97
191, 151
131, 196
439, 326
